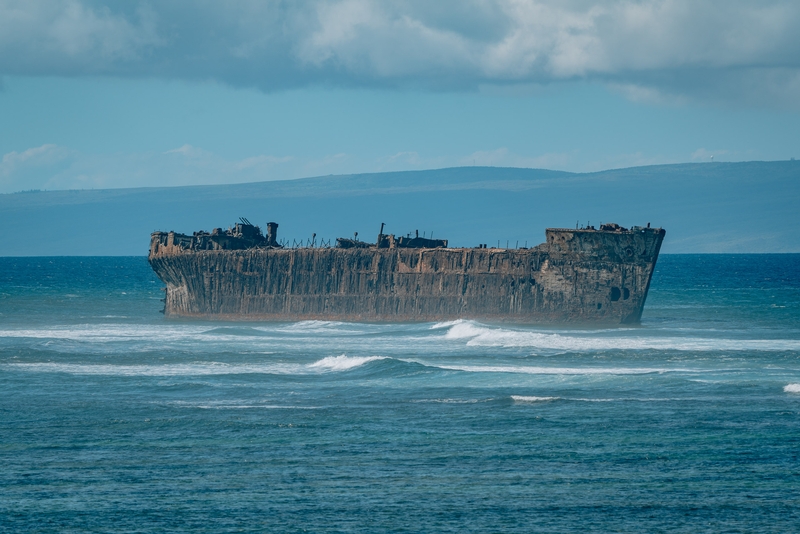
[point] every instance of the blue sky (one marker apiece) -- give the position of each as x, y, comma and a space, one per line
108, 94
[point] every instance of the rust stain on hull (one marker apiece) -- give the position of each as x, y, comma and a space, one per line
577, 276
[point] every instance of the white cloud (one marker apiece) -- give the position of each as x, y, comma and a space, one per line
188, 151
37, 156
651, 50
23, 170
647, 95
55, 167
198, 157
410, 158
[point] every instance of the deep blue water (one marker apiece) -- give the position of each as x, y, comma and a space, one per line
113, 418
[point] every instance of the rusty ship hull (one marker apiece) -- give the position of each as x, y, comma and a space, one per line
581, 276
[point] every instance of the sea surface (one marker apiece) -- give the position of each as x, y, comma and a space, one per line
115, 419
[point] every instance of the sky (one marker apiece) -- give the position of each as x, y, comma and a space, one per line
161, 93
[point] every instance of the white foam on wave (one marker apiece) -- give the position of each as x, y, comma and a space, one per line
249, 407
481, 335
199, 337
184, 369
329, 364
447, 324
447, 401
142, 338
329, 329
792, 388
522, 399
343, 362
538, 370
233, 405
114, 332
312, 326
182, 334
178, 333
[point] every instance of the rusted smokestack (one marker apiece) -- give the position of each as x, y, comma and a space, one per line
272, 234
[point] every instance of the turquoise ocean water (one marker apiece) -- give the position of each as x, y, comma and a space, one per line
114, 419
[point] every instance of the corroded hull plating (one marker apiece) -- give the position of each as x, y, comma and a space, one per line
576, 276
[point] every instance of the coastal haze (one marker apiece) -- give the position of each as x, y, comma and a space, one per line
711, 207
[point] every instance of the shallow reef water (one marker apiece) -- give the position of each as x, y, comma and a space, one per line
113, 418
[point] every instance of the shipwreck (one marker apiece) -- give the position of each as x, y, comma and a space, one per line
582, 275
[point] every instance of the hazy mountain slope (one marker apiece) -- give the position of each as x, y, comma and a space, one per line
711, 207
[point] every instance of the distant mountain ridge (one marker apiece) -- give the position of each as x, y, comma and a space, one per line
705, 207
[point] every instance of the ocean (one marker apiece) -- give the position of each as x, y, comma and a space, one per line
115, 419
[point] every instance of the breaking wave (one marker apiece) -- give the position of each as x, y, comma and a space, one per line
476, 334
329, 364
528, 400
539, 370
104, 333
343, 362
387, 339
792, 388
177, 333
181, 369
447, 401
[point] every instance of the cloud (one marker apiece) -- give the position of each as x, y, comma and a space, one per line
69, 37
40, 155
55, 167
31, 165
647, 95
198, 157
188, 151
52, 167
734, 51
